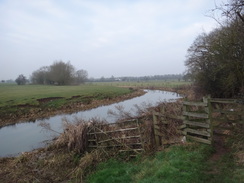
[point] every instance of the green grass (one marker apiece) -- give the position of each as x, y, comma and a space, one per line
153, 83
21, 100
11, 94
179, 164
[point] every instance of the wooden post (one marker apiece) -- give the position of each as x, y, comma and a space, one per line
185, 117
139, 131
156, 130
210, 118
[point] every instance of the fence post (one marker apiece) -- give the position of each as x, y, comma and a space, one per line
208, 110
210, 118
185, 117
139, 131
156, 130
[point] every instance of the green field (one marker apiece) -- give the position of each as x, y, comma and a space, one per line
11, 94
36, 101
149, 83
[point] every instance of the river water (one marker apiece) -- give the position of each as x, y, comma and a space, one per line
27, 136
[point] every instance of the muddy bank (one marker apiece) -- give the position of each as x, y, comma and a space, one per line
34, 113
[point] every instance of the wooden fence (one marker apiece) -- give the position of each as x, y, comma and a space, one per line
161, 122
123, 136
200, 121
226, 115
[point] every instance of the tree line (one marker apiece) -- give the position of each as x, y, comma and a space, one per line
215, 60
59, 73
165, 77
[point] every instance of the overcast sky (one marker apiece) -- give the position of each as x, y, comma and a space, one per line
104, 37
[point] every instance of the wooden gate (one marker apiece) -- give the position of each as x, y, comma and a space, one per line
197, 120
212, 116
226, 115
162, 125
121, 136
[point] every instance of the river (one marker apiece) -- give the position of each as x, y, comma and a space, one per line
26, 136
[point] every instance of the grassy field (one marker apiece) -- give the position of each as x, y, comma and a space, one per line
11, 94
153, 83
29, 102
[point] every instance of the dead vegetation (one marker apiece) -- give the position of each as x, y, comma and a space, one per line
66, 159
74, 136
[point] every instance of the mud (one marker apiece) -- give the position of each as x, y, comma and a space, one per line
45, 100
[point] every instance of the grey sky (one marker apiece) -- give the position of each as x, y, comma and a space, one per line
104, 37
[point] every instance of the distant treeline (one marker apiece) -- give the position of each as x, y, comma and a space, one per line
165, 77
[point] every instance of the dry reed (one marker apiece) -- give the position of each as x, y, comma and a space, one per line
74, 136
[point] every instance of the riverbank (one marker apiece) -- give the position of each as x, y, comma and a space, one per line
19, 110
174, 164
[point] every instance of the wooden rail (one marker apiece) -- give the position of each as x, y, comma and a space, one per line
201, 121
124, 136
197, 120
227, 114
161, 124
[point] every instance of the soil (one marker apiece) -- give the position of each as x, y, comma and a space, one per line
220, 149
45, 100
217, 166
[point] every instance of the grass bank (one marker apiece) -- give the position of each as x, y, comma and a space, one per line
33, 101
189, 163
179, 164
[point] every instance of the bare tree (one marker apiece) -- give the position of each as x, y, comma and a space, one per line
216, 60
59, 73
62, 73
41, 76
232, 10
81, 76
21, 80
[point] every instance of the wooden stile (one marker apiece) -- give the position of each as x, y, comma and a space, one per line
197, 121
